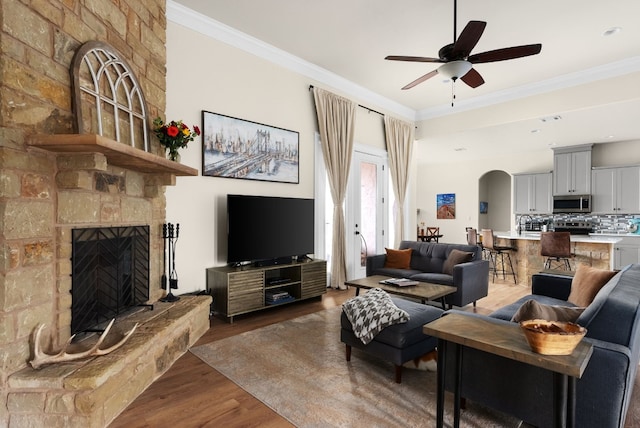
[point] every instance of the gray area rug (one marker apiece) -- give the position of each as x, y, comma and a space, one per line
298, 368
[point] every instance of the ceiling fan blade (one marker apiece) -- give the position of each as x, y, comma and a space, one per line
505, 53
467, 40
421, 79
472, 78
412, 58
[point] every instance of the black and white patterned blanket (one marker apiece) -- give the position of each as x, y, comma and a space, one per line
370, 313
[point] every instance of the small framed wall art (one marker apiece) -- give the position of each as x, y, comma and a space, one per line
446, 205
237, 148
484, 207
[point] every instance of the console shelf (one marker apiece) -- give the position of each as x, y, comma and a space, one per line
240, 290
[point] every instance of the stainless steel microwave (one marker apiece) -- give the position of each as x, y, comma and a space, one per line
572, 204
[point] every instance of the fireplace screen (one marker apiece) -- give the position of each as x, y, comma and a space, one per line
110, 273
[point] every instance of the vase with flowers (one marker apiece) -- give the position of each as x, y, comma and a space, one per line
174, 135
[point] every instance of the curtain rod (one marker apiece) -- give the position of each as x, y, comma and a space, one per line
360, 105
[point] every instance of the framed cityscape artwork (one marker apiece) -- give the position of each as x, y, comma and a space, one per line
237, 148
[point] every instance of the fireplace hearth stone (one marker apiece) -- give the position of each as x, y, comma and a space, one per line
91, 393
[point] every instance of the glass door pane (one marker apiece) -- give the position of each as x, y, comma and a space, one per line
368, 210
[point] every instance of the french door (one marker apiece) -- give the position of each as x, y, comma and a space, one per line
366, 214
366, 209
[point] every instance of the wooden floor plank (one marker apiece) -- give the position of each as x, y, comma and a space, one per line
192, 394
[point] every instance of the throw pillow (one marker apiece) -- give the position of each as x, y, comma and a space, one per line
371, 313
455, 257
398, 259
533, 310
586, 283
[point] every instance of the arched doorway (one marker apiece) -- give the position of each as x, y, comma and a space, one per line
495, 189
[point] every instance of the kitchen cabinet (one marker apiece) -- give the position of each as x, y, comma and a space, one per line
626, 252
616, 190
532, 193
572, 170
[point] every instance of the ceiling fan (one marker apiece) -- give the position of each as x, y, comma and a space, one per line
457, 59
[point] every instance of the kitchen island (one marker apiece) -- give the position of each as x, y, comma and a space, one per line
594, 250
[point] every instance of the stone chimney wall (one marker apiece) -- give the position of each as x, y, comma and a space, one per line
43, 195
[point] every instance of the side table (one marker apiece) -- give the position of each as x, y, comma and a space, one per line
455, 331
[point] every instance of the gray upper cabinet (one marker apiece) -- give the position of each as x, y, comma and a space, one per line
572, 170
532, 193
616, 190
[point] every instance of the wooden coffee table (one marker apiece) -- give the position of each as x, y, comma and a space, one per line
423, 291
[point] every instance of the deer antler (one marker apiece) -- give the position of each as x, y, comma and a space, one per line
40, 357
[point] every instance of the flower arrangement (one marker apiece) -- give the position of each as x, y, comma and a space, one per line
174, 135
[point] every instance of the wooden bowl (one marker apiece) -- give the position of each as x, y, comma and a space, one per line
552, 337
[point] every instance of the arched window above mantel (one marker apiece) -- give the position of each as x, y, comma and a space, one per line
107, 99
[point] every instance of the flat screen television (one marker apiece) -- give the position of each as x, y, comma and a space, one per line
268, 230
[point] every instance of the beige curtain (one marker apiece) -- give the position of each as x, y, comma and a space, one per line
399, 136
336, 117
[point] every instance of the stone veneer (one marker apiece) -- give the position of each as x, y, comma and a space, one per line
91, 393
44, 194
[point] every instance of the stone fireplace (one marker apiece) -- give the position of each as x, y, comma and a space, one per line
108, 187
53, 181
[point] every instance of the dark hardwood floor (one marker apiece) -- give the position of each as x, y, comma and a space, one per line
192, 394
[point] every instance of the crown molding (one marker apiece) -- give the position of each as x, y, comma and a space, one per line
606, 71
209, 27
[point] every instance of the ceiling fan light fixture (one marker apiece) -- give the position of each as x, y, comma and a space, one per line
455, 69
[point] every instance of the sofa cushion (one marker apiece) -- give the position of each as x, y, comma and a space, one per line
398, 259
586, 283
455, 257
430, 256
507, 312
531, 310
371, 313
396, 273
433, 278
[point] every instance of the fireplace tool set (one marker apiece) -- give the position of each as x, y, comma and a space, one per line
170, 233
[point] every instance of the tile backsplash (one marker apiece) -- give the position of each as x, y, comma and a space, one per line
601, 223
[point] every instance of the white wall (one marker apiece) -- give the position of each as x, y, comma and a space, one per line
205, 74
463, 179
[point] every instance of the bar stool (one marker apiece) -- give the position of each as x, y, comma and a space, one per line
556, 247
498, 252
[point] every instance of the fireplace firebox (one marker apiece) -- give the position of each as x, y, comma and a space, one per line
110, 274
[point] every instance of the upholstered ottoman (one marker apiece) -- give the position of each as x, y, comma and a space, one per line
397, 343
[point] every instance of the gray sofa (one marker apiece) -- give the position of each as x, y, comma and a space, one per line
427, 259
603, 392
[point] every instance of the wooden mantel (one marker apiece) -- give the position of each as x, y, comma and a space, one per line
117, 154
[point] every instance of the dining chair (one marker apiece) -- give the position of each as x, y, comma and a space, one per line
433, 234
472, 236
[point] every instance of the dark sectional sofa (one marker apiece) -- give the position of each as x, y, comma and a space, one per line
603, 392
427, 260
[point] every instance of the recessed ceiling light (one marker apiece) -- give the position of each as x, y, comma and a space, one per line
551, 118
459, 149
611, 31
535, 131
